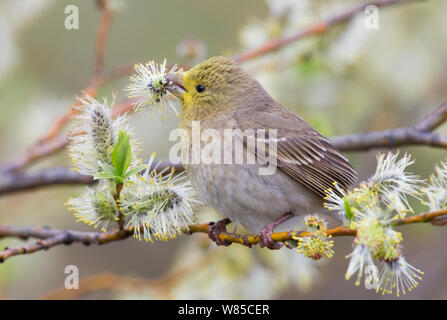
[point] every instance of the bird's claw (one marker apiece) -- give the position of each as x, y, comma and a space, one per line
439, 221
265, 236
265, 239
216, 228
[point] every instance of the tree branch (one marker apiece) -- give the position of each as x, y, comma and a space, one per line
10, 183
49, 238
102, 35
51, 141
419, 134
42, 178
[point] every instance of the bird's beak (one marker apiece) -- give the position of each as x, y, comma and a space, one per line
176, 85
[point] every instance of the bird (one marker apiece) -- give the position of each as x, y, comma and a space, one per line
220, 96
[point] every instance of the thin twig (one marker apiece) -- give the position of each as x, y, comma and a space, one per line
421, 218
38, 151
50, 141
419, 134
11, 183
102, 36
317, 29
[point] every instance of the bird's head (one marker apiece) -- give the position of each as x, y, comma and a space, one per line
211, 87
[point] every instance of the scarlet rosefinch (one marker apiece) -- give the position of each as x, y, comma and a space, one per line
221, 95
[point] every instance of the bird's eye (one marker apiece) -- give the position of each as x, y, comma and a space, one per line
200, 88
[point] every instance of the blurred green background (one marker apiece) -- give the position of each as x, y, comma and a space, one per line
350, 80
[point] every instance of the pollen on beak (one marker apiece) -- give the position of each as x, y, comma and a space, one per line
176, 85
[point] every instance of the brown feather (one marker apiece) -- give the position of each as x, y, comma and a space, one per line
302, 153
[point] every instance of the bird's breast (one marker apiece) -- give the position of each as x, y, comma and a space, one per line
239, 192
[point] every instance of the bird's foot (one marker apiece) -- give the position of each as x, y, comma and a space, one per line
439, 221
216, 228
265, 239
265, 236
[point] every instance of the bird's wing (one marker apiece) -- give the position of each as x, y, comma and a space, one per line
302, 153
